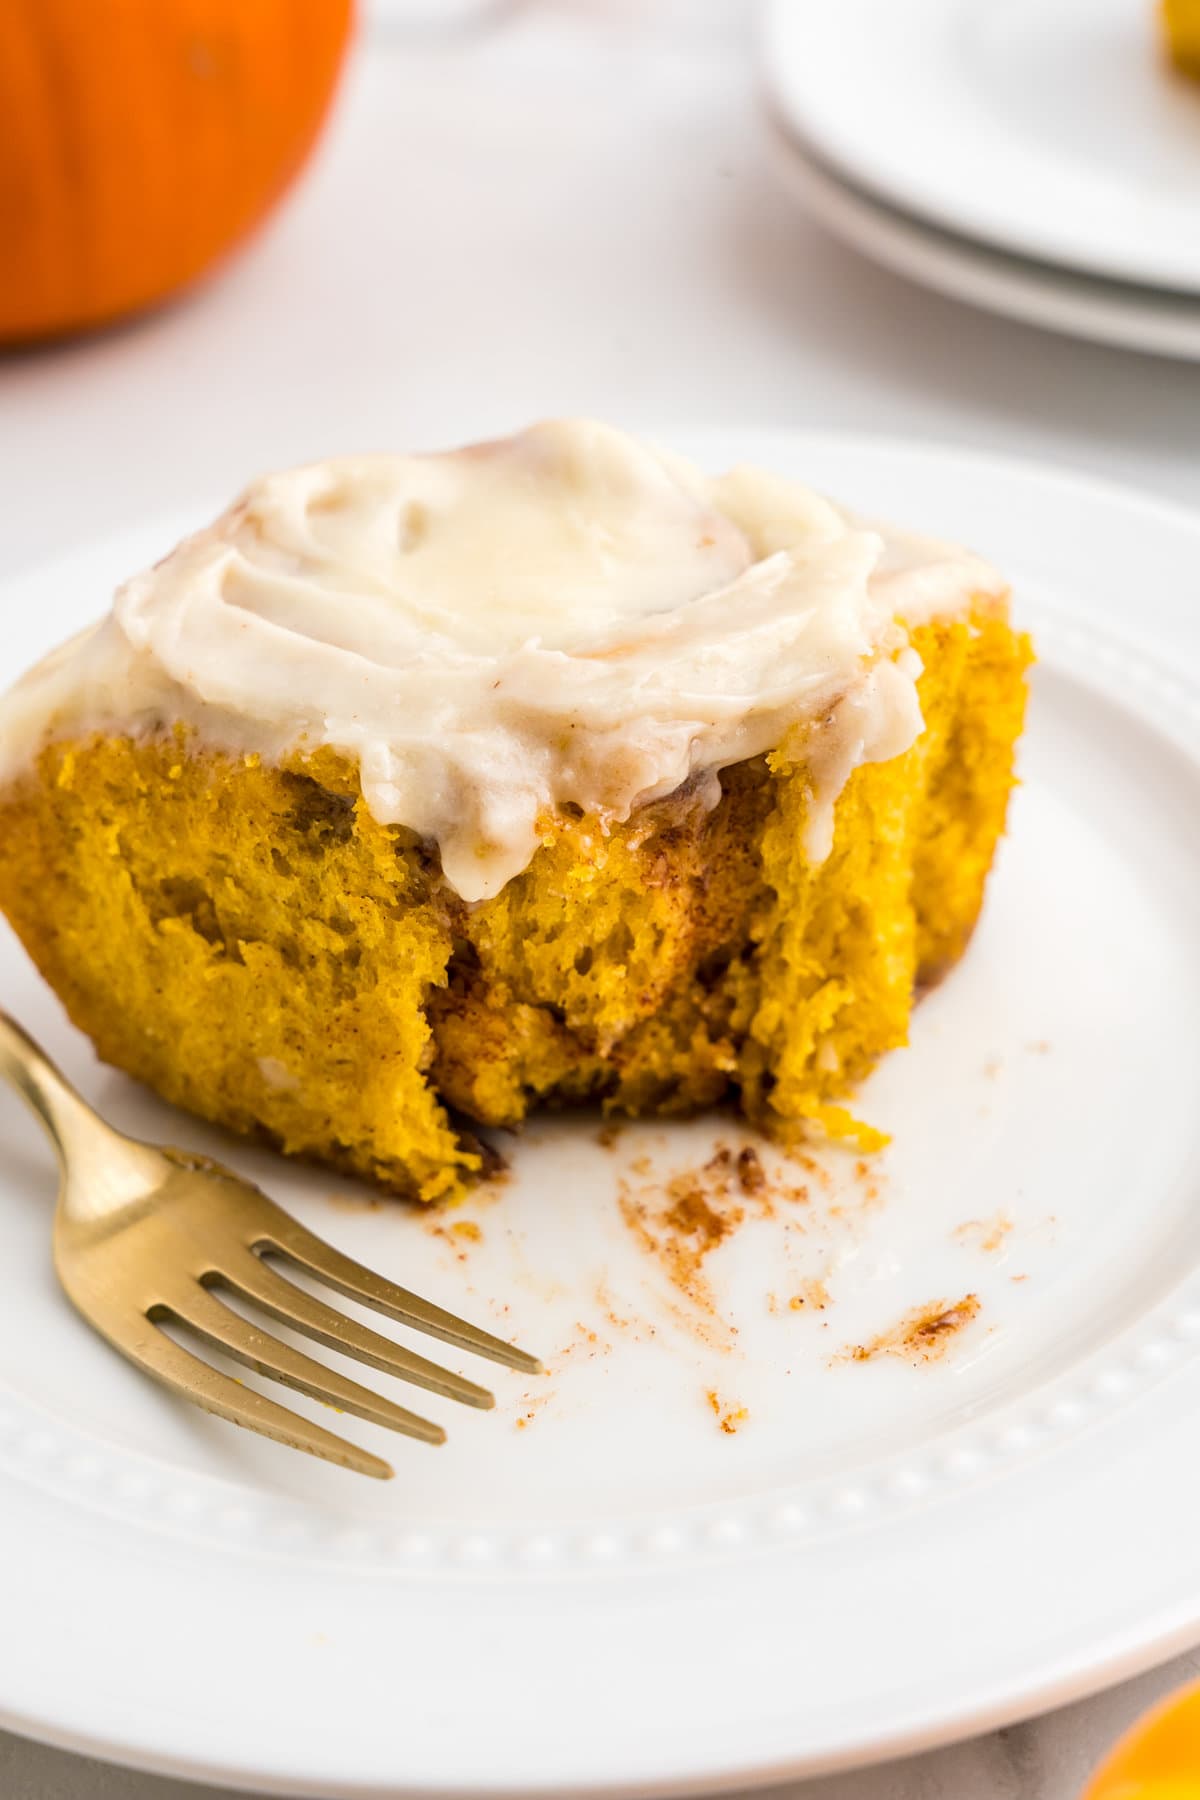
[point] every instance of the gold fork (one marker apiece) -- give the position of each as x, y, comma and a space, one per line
146, 1237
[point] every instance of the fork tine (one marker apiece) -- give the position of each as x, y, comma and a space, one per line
251, 1278
292, 1240
191, 1378
202, 1312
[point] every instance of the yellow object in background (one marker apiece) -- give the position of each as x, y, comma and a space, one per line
1159, 1759
1182, 21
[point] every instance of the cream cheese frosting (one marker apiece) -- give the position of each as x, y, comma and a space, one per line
566, 616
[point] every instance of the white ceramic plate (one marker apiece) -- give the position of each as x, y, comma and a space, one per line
1106, 312
1055, 130
597, 1589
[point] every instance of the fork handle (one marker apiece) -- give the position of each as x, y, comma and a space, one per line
49, 1094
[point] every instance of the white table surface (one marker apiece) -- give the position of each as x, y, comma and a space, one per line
564, 212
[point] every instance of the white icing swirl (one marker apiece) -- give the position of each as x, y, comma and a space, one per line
565, 616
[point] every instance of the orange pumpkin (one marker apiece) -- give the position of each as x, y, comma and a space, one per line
1159, 1759
141, 139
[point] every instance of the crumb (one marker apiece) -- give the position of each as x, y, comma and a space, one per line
681, 1217
992, 1067
468, 1229
1040, 1047
682, 1224
525, 1419
608, 1134
812, 1294
692, 1216
729, 1418
752, 1177
817, 1171
448, 1235
1018, 1278
921, 1336
619, 1321
679, 1228
984, 1234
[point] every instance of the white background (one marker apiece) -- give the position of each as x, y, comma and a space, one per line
562, 209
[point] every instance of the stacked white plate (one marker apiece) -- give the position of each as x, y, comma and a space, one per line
1040, 159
